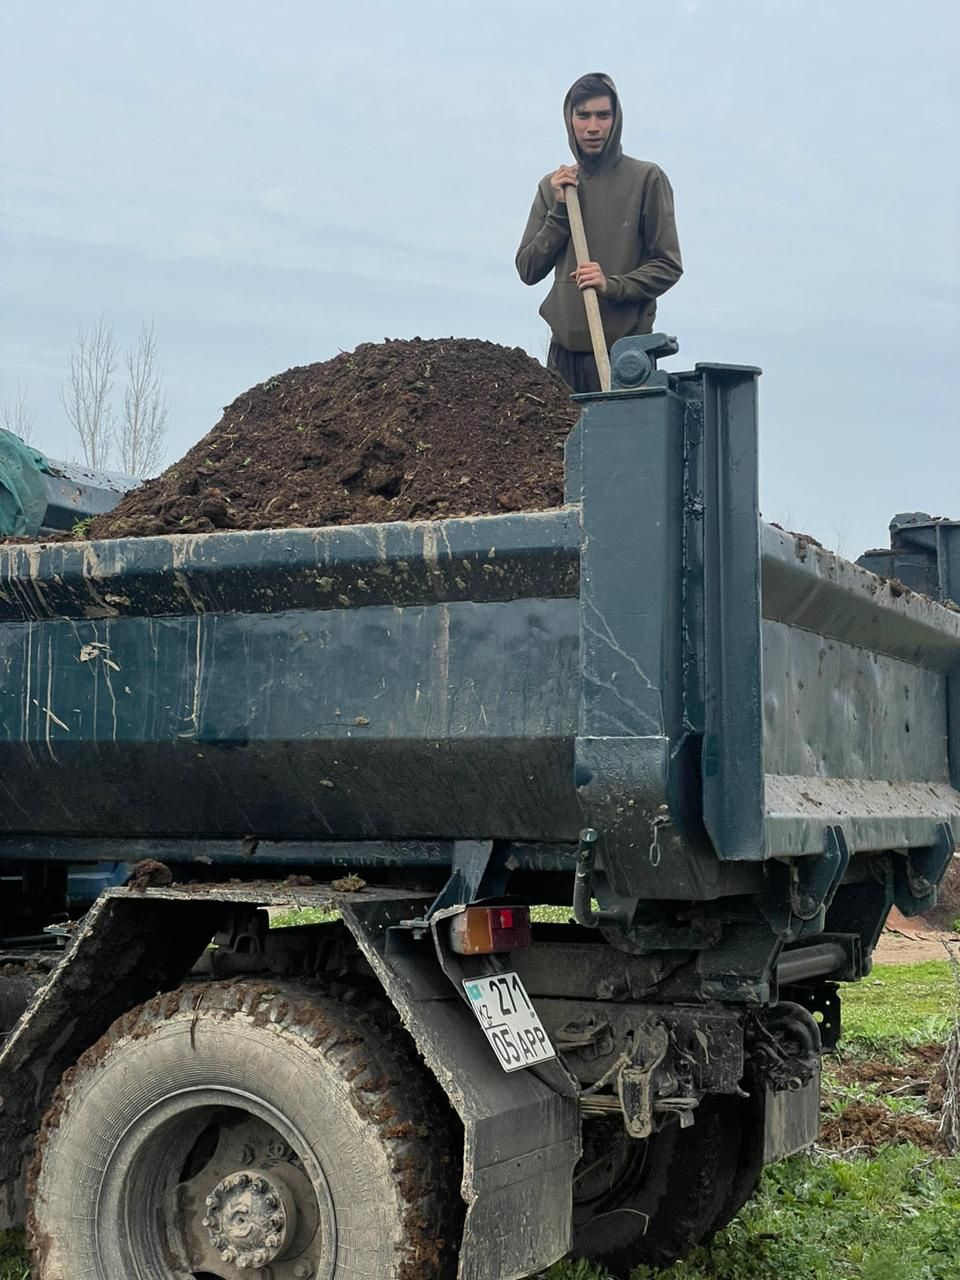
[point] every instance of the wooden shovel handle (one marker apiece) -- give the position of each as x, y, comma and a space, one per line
590, 300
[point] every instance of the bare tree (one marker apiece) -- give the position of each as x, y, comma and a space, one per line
950, 1068
19, 417
85, 395
142, 431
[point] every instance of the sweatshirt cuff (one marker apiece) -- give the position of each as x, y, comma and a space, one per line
614, 291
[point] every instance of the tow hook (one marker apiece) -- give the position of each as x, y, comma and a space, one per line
583, 911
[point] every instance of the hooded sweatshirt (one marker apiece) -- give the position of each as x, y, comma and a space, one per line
628, 218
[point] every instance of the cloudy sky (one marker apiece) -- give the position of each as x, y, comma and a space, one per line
272, 183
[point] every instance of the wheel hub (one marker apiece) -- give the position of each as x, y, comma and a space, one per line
252, 1217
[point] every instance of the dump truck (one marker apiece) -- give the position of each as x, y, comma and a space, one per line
588, 812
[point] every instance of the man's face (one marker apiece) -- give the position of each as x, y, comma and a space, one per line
592, 122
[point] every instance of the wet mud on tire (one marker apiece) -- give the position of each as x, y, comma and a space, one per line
261, 1102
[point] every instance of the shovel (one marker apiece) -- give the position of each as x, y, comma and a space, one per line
590, 299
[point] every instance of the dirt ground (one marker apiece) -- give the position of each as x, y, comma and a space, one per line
884, 1102
915, 1083
911, 939
399, 430
899, 947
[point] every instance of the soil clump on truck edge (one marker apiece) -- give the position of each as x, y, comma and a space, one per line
400, 430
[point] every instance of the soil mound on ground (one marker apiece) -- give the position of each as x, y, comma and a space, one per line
869, 1123
399, 430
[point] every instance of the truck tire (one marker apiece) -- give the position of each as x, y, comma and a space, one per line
225, 1128
653, 1200
749, 1161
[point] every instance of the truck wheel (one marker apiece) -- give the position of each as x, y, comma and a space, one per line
653, 1200
749, 1161
233, 1129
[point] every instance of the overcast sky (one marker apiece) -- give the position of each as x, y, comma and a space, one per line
272, 183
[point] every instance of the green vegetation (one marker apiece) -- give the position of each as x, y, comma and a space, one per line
80, 531
299, 915
551, 915
13, 1265
895, 1217
898, 1005
837, 1096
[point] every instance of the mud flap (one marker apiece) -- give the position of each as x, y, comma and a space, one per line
791, 1120
521, 1131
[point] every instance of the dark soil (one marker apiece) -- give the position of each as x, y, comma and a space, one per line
914, 1076
400, 430
871, 1124
149, 874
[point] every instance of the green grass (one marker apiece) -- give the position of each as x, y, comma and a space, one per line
551, 915
299, 915
899, 1005
895, 1217
13, 1265
836, 1097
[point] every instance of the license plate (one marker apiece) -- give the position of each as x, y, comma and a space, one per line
509, 1020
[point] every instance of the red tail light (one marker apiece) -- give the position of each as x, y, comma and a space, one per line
484, 930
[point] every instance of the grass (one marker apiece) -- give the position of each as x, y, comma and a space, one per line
898, 1005
13, 1264
317, 915
299, 915
837, 1096
895, 1216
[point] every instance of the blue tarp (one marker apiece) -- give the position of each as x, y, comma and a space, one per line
23, 494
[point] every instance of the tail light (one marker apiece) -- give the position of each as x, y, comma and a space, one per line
483, 930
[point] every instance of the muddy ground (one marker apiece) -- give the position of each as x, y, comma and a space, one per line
399, 430
892, 1101
883, 1102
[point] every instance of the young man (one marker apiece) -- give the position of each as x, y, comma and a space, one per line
628, 217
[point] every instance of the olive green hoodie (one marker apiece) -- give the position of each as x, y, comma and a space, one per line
628, 218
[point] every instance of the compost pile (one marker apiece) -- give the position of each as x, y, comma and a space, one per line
399, 430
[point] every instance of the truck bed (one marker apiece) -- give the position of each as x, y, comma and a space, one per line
708, 692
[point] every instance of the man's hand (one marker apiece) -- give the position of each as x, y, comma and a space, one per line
590, 276
565, 176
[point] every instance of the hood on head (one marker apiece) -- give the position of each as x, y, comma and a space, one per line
612, 152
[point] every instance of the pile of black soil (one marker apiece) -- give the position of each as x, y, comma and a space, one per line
399, 430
